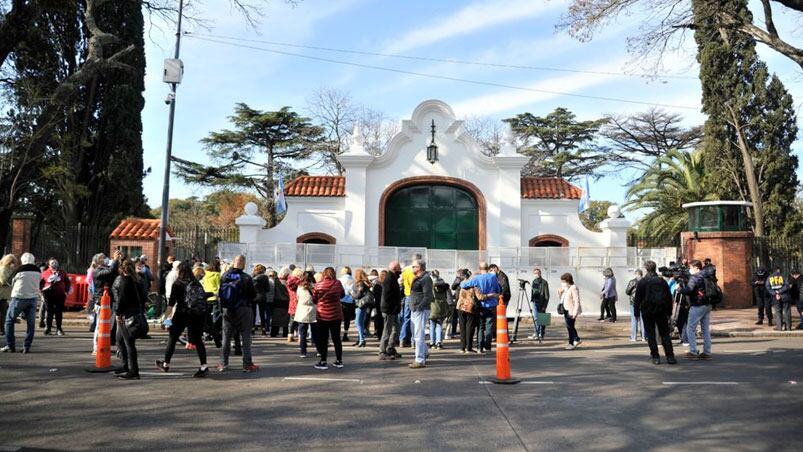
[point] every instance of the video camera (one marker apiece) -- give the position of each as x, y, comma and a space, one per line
523, 282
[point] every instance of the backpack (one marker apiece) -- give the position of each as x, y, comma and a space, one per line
195, 298
712, 294
230, 291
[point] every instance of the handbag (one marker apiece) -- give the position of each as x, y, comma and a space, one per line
543, 319
367, 301
561, 309
137, 324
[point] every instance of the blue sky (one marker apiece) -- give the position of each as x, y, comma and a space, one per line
518, 32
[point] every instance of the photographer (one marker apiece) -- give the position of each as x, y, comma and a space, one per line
762, 296
679, 276
699, 311
540, 300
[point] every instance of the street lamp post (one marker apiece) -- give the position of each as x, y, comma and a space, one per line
171, 100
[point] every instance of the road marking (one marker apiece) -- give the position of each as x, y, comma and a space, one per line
350, 380
537, 382
163, 374
676, 383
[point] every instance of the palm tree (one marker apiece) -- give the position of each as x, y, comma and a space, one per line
674, 179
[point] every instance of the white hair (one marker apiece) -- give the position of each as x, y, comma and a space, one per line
28, 259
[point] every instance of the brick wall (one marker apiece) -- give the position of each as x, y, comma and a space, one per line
731, 253
150, 248
21, 235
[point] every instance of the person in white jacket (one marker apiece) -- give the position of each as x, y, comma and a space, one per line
24, 295
570, 300
305, 311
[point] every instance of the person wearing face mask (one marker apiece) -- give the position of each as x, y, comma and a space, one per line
540, 300
653, 300
55, 286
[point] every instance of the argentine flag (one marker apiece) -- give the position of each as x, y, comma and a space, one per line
281, 203
585, 200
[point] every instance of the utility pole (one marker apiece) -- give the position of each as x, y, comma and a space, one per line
171, 100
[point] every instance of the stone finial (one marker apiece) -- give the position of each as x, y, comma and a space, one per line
251, 209
508, 141
614, 211
357, 141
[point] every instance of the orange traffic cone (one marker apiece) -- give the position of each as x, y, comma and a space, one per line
103, 359
502, 347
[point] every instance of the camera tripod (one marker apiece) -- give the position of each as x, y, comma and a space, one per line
522, 298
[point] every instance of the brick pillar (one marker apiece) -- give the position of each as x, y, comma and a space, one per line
730, 252
21, 235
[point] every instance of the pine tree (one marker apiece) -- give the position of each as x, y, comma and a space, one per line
751, 123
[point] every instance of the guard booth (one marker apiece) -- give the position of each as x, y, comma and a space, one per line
721, 231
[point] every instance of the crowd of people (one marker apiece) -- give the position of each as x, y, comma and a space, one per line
403, 307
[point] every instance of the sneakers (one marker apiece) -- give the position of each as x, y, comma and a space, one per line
691, 356
120, 371
760, 322
570, 347
128, 376
384, 357
26, 350
632, 339
222, 368
201, 373
704, 357
250, 368
397, 356
320, 365
655, 360
8, 349
417, 365
47, 332
161, 365
338, 364
302, 355
463, 351
59, 332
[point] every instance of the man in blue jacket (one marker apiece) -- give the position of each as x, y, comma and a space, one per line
699, 311
488, 284
778, 288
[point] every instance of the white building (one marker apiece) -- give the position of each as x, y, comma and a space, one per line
465, 200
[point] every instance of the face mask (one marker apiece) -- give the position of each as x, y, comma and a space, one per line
54, 265
537, 276
564, 284
107, 262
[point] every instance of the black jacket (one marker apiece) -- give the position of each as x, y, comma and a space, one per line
247, 291
652, 295
390, 302
129, 296
695, 289
504, 283
794, 289
261, 288
421, 294
105, 277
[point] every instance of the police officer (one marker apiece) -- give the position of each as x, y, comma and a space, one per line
762, 297
778, 289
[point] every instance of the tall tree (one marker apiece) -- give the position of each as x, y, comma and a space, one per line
751, 122
559, 145
262, 145
667, 23
596, 213
638, 139
676, 178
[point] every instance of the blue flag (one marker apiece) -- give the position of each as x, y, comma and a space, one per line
585, 200
281, 203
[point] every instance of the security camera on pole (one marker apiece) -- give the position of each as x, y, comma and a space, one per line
173, 73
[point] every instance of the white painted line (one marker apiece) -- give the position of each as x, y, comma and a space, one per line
484, 382
792, 382
675, 383
162, 374
537, 382
350, 380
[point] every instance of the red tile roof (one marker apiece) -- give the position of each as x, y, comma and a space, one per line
531, 187
316, 186
548, 188
137, 228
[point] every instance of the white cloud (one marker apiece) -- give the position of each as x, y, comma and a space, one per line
476, 16
511, 99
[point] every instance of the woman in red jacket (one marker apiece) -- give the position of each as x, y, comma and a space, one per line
292, 287
55, 286
326, 296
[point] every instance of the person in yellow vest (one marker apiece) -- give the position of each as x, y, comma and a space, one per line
407, 276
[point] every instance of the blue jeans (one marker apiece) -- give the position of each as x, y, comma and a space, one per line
436, 331
635, 321
701, 315
487, 322
16, 307
303, 328
539, 329
418, 320
359, 320
405, 334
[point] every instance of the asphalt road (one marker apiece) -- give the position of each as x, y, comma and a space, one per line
603, 396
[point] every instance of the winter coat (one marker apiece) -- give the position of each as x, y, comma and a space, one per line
778, 286
25, 282
129, 296
326, 296
391, 295
104, 277
652, 295
571, 301
504, 283
305, 309
211, 283
439, 308
630, 290
292, 288
540, 294
609, 289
